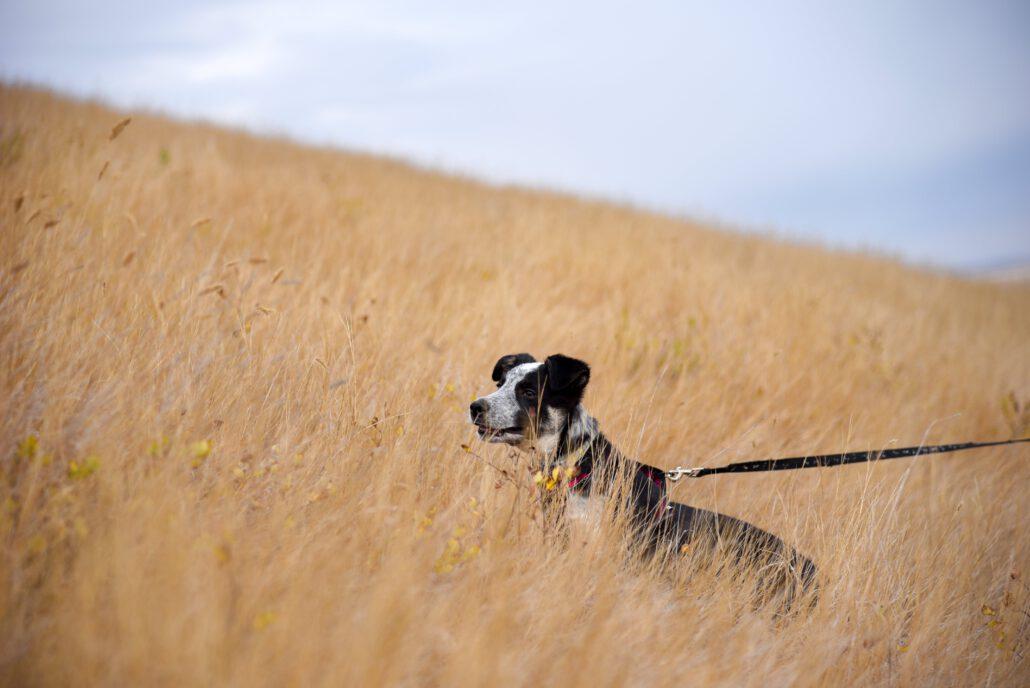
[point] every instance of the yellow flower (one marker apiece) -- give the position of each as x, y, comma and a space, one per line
78, 471
454, 555
423, 523
200, 451
27, 447
37, 543
159, 446
263, 620
539, 479
222, 553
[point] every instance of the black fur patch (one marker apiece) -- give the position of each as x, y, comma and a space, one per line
506, 363
567, 379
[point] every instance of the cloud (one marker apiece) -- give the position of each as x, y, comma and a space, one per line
754, 113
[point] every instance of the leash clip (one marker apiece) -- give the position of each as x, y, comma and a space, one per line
675, 474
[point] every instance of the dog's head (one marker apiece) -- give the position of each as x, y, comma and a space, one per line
532, 401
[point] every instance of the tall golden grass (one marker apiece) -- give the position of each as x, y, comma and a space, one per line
234, 379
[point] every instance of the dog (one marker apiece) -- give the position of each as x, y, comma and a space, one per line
538, 408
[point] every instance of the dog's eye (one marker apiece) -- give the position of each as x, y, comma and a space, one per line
529, 393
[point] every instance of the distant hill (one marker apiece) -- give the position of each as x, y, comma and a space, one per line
1015, 270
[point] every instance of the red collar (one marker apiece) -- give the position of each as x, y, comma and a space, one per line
578, 479
663, 505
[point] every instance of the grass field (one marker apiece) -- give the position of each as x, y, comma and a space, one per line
234, 380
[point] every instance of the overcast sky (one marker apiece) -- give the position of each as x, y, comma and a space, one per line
901, 126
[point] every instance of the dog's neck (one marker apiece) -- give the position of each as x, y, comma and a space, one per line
579, 429
577, 444
567, 434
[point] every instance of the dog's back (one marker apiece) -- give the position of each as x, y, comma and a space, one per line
709, 536
671, 526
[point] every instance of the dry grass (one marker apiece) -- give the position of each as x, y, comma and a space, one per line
247, 366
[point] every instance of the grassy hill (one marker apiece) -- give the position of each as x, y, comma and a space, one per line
234, 380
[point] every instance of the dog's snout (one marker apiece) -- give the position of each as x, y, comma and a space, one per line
478, 408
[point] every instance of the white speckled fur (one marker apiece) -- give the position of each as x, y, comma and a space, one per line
503, 410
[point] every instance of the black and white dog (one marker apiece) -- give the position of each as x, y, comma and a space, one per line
537, 407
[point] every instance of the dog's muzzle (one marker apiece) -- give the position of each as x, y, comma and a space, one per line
478, 413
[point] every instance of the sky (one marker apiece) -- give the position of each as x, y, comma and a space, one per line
901, 127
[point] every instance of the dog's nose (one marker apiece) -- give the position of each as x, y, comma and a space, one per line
478, 408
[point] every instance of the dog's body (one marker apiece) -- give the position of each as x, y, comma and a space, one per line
537, 407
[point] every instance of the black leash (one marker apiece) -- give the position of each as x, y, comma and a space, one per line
828, 459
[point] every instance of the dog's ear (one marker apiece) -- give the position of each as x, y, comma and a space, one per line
567, 378
506, 363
